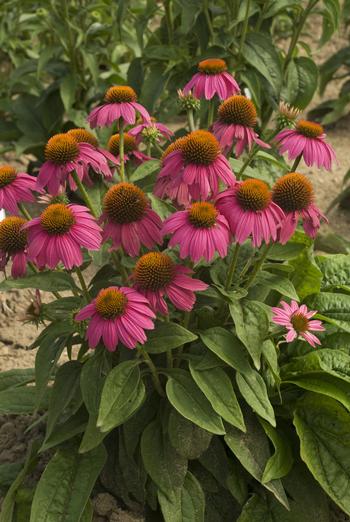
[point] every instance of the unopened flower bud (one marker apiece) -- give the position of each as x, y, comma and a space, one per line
287, 114
188, 101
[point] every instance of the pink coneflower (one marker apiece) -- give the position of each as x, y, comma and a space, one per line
250, 211
150, 131
117, 315
200, 231
131, 151
308, 140
237, 118
212, 78
297, 321
120, 103
130, 221
63, 156
294, 194
193, 170
13, 245
15, 187
156, 275
58, 234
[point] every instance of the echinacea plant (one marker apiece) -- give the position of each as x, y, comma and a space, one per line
208, 346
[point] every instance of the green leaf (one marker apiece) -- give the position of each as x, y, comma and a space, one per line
307, 276
21, 400
334, 362
8, 473
192, 500
218, 389
324, 384
17, 377
281, 462
323, 427
331, 18
65, 486
302, 79
227, 347
122, 395
252, 326
145, 169
253, 389
73, 426
166, 336
282, 285
332, 308
164, 465
187, 438
47, 281
261, 54
252, 450
65, 396
68, 87
185, 396
335, 269
284, 252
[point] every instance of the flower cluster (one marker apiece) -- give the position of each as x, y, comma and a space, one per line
213, 209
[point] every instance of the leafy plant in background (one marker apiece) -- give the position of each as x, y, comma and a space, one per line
207, 396
57, 58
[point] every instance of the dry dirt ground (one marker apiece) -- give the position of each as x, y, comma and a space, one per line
16, 336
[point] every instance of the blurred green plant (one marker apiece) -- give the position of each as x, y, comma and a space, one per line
55, 56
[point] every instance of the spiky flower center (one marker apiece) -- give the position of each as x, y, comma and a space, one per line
12, 238
253, 194
114, 144
202, 214
111, 303
83, 136
309, 129
200, 147
212, 66
8, 174
120, 94
238, 110
154, 271
176, 145
125, 203
57, 219
300, 322
292, 192
61, 149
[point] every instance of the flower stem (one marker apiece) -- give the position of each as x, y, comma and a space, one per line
190, 120
247, 162
83, 284
148, 149
296, 163
186, 322
208, 19
121, 151
211, 109
84, 193
258, 266
244, 33
153, 369
24, 211
232, 268
119, 266
169, 20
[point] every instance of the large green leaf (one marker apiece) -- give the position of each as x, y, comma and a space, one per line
185, 396
282, 285
324, 384
122, 395
281, 462
335, 269
218, 389
167, 336
323, 427
16, 377
192, 500
187, 438
48, 281
252, 326
21, 400
65, 486
307, 276
145, 169
253, 452
333, 308
302, 78
253, 389
261, 54
227, 347
334, 362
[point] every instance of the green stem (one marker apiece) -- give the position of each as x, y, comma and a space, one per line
153, 369
84, 193
232, 268
148, 149
37, 271
186, 322
119, 266
296, 163
258, 266
24, 211
211, 110
208, 19
121, 151
159, 149
190, 120
169, 20
247, 162
83, 284
244, 33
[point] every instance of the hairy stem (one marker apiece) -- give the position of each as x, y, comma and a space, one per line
296, 163
24, 211
258, 266
83, 284
190, 120
121, 151
153, 369
84, 193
